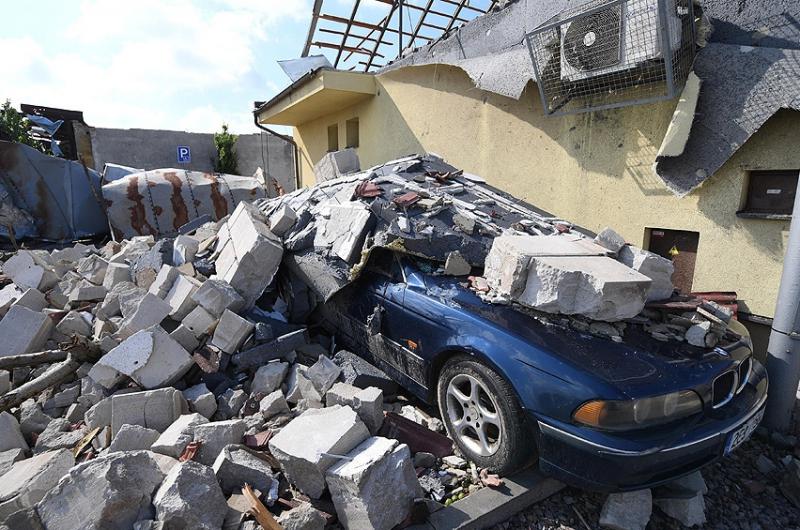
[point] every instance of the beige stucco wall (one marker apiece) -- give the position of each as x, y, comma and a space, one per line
593, 169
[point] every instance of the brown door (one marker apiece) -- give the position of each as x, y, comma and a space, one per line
680, 246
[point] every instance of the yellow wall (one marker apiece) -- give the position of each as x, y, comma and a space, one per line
593, 169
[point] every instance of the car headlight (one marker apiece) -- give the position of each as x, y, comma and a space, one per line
638, 413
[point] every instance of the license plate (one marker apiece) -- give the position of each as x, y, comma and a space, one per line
743, 433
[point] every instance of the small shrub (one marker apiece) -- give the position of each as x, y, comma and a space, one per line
226, 153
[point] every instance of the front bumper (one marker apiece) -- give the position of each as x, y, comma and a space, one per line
605, 461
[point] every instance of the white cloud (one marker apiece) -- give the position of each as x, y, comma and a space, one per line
143, 63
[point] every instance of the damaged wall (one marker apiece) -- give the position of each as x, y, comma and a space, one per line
608, 155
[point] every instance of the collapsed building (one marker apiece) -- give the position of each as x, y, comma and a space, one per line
178, 381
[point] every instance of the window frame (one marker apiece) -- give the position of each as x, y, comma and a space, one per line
750, 193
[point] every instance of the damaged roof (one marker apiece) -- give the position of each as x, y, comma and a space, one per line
749, 71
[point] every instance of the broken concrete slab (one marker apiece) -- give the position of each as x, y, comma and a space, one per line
190, 497
110, 491
344, 230
29, 480
302, 517
25, 270
653, 266
163, 282
185, 338
456, 265
230, 403
375, 486
33, 299
304, 447
689, 512
8, 296
177, 436
214, 436
179, 297
337, 164
184, 249
116, 273
99, 415
58, 435
74, 324
86, 291
627, 511
231, 332
323, 374
269, 377
282, 219
279, 348
273, 404
215, 296
133, 438
10, 433
150, 311
92, 268
201, 400
24, 331
199, 322
237, 465
367, 403
154, 409
9, 458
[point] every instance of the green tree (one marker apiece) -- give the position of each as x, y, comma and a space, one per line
226, 154
17, 128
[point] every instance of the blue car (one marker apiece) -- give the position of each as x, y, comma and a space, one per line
513, 388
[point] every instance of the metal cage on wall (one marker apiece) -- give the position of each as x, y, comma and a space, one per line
608, 54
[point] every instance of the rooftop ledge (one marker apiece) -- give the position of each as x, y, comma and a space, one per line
317, 94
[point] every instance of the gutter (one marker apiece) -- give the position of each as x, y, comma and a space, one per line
289, 139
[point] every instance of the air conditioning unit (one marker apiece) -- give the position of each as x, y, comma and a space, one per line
616, 38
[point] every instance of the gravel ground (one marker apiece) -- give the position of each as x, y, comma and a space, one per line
739, 497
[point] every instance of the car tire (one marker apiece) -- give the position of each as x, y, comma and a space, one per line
495, 434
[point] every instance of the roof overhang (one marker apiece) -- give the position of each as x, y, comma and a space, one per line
316, 94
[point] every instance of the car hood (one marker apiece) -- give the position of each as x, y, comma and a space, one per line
639, 365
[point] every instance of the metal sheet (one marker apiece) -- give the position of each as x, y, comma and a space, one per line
62, 196
161, 201
297, 68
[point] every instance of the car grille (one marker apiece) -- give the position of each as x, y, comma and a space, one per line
724, 388
744, 373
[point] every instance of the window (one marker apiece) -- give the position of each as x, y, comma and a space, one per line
770, 194
333, 137
351, 127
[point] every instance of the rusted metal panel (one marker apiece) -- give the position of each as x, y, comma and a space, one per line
61, 196
159, 202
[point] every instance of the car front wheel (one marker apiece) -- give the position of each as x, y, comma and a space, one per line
483, 417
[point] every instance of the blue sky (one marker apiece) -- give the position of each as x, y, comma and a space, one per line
168, 64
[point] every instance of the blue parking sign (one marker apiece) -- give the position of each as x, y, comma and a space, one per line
184, 154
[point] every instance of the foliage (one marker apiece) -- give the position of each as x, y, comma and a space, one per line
226, 154
16, 128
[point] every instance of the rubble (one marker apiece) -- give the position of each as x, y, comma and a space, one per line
214, 436
237, 465
133, 438
29, 480
10, 433
24, 331
178, 435
303, 517
627, 511
190, 497
154, 409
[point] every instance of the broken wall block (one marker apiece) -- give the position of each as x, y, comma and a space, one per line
133, 438
110, 491
215, 296
185, 338
237, 465
269, 377
303, 447
33, 299
184, 249
344, 230
154, 409
177, 436
116, 273
93, 268
303, 517
658, 269
593, 286
336, 164
201, 400
375, 487
281, 220
25, 270
190, 497
150, 311
24, 331
273, 404
367, 403
164, 279
231, 332
29, 480
179, 297
199, 322
10, 433
323, 374
214, 436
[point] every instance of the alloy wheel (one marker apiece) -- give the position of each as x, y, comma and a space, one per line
474, 415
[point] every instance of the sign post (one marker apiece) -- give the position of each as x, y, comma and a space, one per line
184, 154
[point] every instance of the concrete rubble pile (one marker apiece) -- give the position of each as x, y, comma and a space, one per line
142, 385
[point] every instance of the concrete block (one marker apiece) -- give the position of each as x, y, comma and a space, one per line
231, 332
611, 240
58, 435
344, 230
190, 497
230, 403
375, 487
199, 322
163, 282
273, 404
184, 249
65, 397
98, 415
201, 400
627, 511
689, 512
185, 338
214, 436
154, 409
653, 266
86, 291
150, 311
593, 286
269, 377
24, 270
282, 219
323, 374
456, 265
29, 480
179, 297
5, 381
8, 296
10, 433
293, 388
303, 517
110, 491
177, 436
236, 466
215, 296
336, 164
24, 331
9, 458
133, 438
93, 268
367, 403
33, 299
74, 324
150, 357
303, 447
116, 273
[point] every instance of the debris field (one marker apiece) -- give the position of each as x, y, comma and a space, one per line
180, 382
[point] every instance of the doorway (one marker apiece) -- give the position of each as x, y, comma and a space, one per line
680, 247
